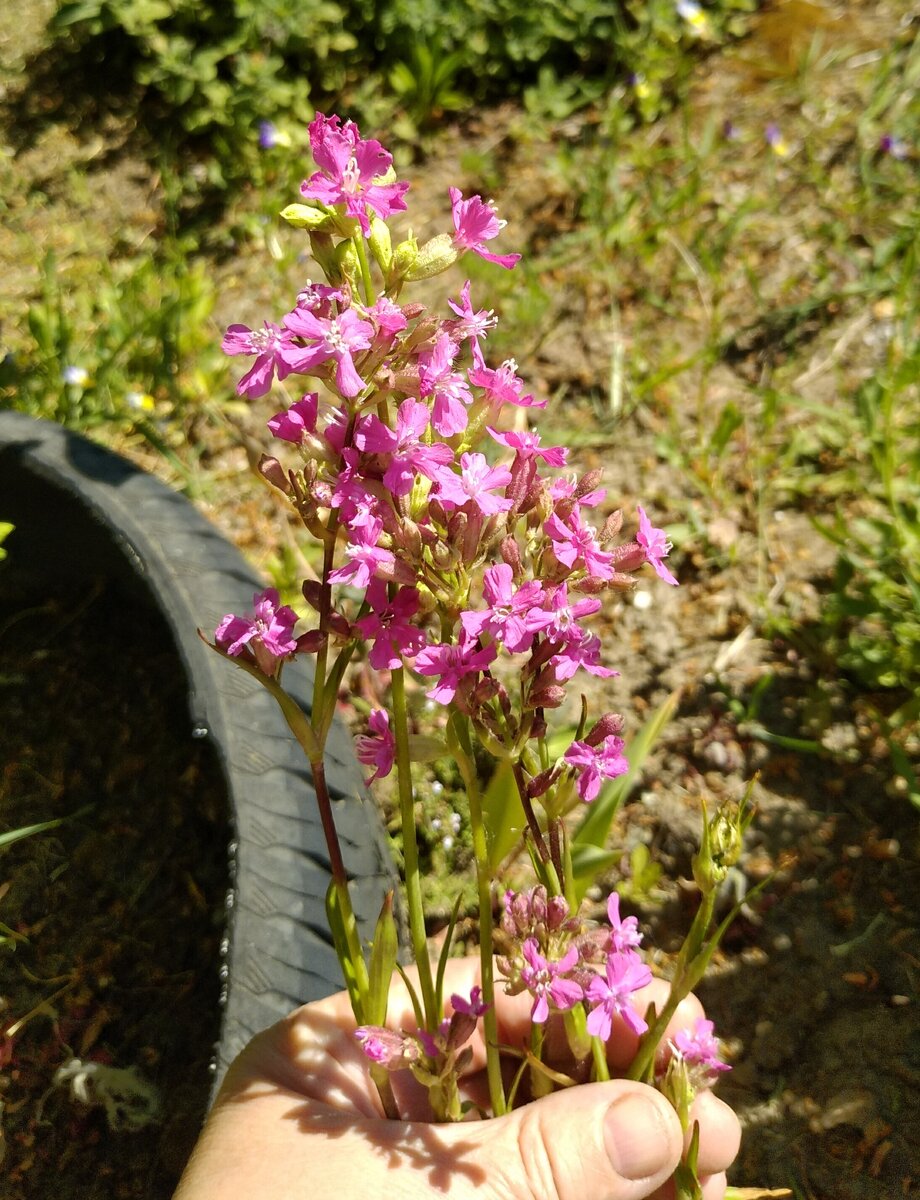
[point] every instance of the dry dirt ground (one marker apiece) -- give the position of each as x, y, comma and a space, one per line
816, 989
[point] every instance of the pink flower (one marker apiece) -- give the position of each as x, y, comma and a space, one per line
363, 554
700, 1047
269, 346
267, 634
595, 763
609, 996
527, 445
349, 166
377, 748
655, 544
387, 1047
624, 933
503, 385
546, 982
409, 455
448, 387
575, 544
452, 663
388, 316
511, 616
473, 485
388, 626
564, 626
291, 424
475, 223
335, 337
581, 652
471, 326
473, 1007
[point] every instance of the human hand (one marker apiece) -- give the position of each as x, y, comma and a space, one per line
298, 1117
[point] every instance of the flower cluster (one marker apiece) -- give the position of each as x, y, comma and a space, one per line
556, 959
457, 551
457, 539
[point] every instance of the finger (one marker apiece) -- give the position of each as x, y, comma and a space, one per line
602, 1141
720, 1133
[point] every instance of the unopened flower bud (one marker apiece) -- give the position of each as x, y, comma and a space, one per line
722, 842
588, 483
628, 557
380, 243
548, 697
485, 690
405, 256
413, 310
436, 510
406, 536
311, 641
340, 625
540, 784
434, 257
590, 586
611, 528
272, 471
511, 553
312, 591
346, 258
557, 911
456, 526
323, 249
305, 216
610, 723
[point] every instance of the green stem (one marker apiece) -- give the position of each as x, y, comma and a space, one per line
685, 978
599, 1054
361, 250
484, 886
410, 849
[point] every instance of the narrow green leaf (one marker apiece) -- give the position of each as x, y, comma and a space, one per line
445, 955
503, 814
14, 835
340, 939
384, 950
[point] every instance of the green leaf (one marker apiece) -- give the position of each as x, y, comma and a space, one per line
5, 530
503, 814
340, 939
384, 950
14, 835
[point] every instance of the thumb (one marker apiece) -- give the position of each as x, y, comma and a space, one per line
599, 1141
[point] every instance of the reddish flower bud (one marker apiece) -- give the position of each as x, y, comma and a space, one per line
588, 483
312, 592
549, 697
272, 471
511, 553
628, 557
310, 642
610, 723
540, 784
611, 528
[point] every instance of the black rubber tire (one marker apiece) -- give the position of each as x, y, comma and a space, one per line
278, 951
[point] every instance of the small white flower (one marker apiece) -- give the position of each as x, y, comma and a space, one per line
76, 376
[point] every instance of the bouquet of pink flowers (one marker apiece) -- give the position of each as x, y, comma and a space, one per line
456, 549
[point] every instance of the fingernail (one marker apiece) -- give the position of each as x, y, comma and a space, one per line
637, 1140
